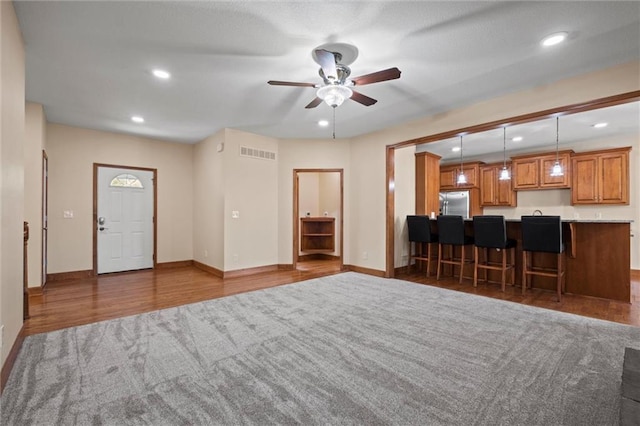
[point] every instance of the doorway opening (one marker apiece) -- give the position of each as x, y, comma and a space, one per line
124, 218
318, 217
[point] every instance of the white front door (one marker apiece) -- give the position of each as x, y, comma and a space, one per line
125, 219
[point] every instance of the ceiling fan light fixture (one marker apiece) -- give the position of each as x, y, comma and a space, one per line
334, 95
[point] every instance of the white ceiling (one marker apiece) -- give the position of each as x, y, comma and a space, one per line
89, 63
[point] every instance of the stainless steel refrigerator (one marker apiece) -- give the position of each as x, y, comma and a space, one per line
455, 203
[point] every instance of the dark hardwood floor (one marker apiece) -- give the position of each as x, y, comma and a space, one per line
77, 302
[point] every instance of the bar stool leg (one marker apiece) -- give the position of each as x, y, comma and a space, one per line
524, 271
485, 253
461, 263
439, 261
559, 278
428, 257
513, 266
475, 266
504, 268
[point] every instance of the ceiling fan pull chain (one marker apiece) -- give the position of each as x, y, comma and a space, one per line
334, 122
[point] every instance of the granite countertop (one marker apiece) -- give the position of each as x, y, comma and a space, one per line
574, 220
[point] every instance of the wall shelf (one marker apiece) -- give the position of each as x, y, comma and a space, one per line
317, 234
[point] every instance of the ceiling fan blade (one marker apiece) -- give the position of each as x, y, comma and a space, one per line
375, 77
362, 99
314, 103
289, 83
328, 63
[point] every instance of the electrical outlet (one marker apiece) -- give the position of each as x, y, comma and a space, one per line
365, 255
236, 258
206, 253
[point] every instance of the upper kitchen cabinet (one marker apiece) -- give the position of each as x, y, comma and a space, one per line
601, 177
493, 191
427, 183
533, 171
449, 175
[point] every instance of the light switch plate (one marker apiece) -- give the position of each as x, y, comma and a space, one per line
235, 214
67, 214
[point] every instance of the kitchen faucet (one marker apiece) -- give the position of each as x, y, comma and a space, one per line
537, 211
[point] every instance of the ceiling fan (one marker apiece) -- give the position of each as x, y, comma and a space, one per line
337, 86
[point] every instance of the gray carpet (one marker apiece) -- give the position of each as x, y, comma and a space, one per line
344, 349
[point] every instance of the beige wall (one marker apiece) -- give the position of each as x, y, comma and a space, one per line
251, 189
368, 156
35, 127
404, 201
208, 201
308, 154
12, 135
329, 201
72, 152
309, 194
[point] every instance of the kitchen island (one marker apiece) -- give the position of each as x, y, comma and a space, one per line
598, 257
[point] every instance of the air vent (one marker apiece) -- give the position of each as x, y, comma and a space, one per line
257, 153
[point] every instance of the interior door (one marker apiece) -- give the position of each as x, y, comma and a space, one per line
124, 219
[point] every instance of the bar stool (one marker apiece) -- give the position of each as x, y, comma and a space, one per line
420, 233
490, 232
542, 234
451, 233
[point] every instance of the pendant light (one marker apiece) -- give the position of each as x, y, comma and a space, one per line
556, 170
504, 173
462, 179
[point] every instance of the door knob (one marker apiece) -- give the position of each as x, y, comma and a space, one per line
101, 220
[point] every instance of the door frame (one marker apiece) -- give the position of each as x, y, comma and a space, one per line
44, 236
296, 213
94, 222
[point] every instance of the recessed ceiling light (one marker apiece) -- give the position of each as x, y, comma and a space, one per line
455, 149
137, 119
161, 74
323, 123
553, 39
600, 125
517, 138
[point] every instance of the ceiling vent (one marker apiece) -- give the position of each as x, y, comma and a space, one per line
245, 151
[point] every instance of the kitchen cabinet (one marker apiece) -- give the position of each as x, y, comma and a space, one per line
427, 183
317, 234
449, 175
533, 172
601, 177
493, 191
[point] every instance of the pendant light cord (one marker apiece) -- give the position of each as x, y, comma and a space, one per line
461, 167
504, 148
557, 137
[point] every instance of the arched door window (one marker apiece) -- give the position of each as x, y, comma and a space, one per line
126, 180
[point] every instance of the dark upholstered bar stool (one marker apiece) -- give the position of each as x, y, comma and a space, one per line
420, 234
490, 232
542, 234
451, 233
